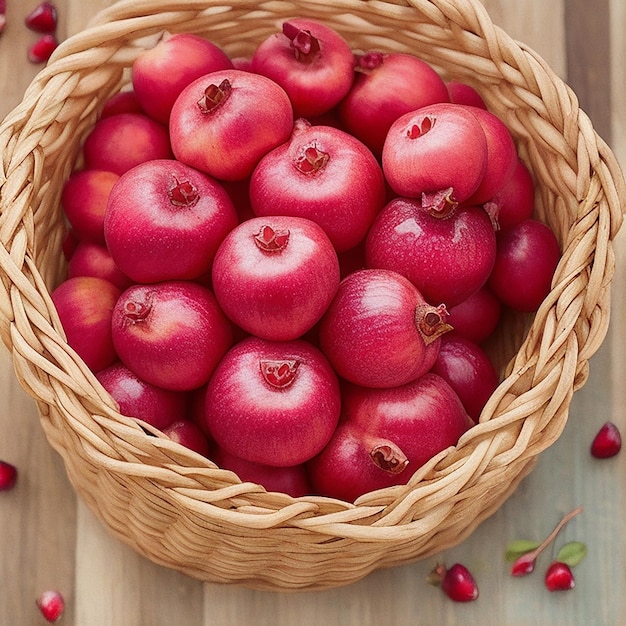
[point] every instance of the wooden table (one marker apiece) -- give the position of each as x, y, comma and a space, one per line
48, 539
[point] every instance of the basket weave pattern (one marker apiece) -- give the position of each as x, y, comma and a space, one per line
176, 507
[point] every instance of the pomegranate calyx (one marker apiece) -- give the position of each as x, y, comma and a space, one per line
214, 96
306, 47
431, 321
311, 160
440, 203
183, 193
279, 373
135, 311
389, 457
270, 240
421, 127
366, 63
493, 211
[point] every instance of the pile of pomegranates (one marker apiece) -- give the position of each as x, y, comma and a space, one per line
290, 263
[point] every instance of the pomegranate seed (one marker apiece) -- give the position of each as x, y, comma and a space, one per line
559, 577
456, 582
8, 476
42, 19
607, 443
40, 51
51, 605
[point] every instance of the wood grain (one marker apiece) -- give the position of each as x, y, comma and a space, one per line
48, 539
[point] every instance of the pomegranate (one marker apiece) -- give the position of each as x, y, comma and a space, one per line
385, 435
165, 220
93, 259
225, 122
139, 399
477, 317
515, 202
468, 370
325, 175
84, 199
188, 434
274, 277
527, 256
379, 331
159, 74
122, 102
274, 403
85, 307
171, 334
447, 255
501, 156
119, 142
437, 153
462, 93
386, 86
310, 61
292, 480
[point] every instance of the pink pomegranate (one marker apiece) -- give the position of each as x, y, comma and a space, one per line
501, 156
165, 220
292, 480
171, 334
386, 86
274, 403
515, 202
225, 122
119, 142
462, 93
188, 434
310, 61
85, 307
477, 317
93, 259
159, 74
84, 200
385, 435
447, 255
379, 331
465, 366
274, 277
437, 153
122, 102
325, 175
139, 399
527, 256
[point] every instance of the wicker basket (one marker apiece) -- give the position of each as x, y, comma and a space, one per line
174, 506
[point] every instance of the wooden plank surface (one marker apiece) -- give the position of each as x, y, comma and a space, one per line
48, 539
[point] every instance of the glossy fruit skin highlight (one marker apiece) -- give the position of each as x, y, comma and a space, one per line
310, 61
171, 334
275, 276
387, 86
325, 175
274, 403
379, 331
165, 220
446, 256
225, 122
385, 435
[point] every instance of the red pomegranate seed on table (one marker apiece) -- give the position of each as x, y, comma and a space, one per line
43, 18
40, 51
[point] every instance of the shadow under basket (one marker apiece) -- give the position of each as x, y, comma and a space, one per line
176, 507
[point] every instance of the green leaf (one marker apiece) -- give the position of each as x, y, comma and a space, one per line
519, 547
572, 553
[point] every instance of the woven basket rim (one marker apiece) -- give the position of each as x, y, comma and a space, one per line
525, 415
